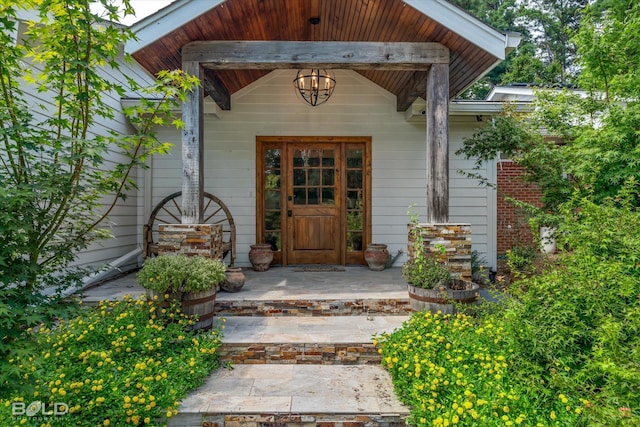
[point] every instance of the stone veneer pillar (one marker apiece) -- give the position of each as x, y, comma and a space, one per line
191, 239
456, 241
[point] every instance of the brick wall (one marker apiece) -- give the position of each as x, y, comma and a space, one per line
513, 228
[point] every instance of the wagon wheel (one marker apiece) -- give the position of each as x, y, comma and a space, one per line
169, 211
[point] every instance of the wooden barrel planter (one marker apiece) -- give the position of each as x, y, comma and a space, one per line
443, 299
196, 303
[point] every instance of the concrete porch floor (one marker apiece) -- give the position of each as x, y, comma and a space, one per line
354, 282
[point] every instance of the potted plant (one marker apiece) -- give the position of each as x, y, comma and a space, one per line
191, 280
479, 273
431, 285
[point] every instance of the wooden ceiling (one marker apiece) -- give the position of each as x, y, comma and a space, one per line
340, 20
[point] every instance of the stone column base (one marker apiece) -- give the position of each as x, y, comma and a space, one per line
456, 241
191, 239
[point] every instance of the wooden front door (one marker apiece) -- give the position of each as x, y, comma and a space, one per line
314, 198
313, 204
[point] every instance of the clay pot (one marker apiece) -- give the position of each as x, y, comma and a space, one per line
234, 279
261, 256
376, 256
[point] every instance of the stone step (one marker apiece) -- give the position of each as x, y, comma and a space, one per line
304, 340
293, 395
312, 307
304, 353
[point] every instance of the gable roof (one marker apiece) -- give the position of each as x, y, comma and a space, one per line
474, 47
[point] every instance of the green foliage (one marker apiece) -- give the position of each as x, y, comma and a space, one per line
546, 54
507, 134
525, 66
459, 370
116, 364
560, 349
577, 326
520, 258
181, 273
608, 48
598, 149
479, 274
425, 272
552, 24
58, 187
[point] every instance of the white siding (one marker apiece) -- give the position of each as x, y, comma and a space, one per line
357, 108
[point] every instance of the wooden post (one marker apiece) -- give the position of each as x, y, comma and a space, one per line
438, 144
192, 150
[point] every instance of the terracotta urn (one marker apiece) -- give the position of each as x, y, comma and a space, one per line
234, 280
261, 256
376, 256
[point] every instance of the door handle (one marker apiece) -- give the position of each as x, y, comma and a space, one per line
289, 213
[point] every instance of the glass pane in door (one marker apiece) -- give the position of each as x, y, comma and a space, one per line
272, 224
355, 190
313, 176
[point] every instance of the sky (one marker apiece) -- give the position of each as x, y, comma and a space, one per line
144, 8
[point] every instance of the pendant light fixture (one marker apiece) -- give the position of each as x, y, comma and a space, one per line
315, 86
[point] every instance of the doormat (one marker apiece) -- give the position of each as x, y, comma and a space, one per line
318, 268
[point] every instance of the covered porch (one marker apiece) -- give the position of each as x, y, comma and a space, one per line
244, 126
293, 291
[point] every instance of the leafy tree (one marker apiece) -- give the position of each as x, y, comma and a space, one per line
599, 149
58, 185
546, 54
552, 24
502, 15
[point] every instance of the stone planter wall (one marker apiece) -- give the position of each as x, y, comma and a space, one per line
191, 239
456, 240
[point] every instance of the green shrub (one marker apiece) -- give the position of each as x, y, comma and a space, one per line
425, 272
561, 350
578, 326
117, 364
458, 370
181, 273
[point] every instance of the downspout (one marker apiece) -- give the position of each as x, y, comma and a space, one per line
114, 265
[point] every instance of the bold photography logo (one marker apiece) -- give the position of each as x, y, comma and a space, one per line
38, 409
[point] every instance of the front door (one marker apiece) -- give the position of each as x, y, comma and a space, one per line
314, 198
313, 204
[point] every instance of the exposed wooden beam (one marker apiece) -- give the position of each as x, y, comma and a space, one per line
216, 90
193, 150
437, 113
294, 54
411, 91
